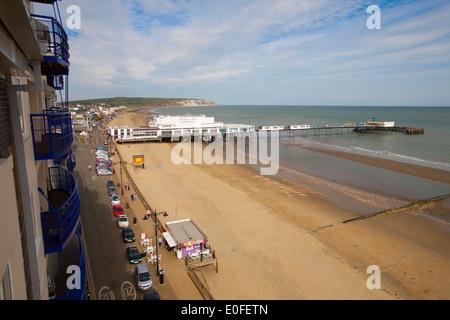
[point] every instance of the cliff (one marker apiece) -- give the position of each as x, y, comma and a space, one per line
196, 103
139, 101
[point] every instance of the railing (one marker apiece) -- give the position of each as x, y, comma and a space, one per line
76, 293
59, 224
53, 43
52, 134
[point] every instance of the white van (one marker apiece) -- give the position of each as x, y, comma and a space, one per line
143, 277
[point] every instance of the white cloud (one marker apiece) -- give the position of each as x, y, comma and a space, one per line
264, 47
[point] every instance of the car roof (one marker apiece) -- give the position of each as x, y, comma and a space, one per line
142, 267
152, 295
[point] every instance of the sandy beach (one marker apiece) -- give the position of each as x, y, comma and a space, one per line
277, 240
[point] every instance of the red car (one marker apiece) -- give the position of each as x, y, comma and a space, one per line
117, 210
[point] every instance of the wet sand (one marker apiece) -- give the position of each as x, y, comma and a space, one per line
277, 240
402, 167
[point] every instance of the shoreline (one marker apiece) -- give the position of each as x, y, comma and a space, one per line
393, 165
272, 234
397, 166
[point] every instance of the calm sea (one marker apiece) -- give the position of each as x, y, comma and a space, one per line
431, 149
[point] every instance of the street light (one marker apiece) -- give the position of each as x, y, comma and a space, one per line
165, 214
121, 161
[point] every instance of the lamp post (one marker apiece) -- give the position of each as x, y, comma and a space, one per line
156, 237
120, 162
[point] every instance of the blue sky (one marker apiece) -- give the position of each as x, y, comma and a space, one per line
287, 52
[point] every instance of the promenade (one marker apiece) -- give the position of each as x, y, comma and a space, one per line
107, 263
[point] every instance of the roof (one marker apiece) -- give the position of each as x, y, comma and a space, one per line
183, 231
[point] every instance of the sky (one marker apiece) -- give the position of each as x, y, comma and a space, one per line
261, 52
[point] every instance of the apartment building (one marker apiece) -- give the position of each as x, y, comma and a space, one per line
41, 253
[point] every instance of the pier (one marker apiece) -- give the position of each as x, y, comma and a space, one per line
344, 129
180, 128
407, 130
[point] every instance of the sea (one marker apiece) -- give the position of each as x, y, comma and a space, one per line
431, 149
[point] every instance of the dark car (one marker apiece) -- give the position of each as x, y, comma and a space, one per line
110, 183
152, 295
128, 234
133, 254
112, 190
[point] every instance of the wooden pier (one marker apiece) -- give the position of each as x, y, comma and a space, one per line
342, 129
407, 130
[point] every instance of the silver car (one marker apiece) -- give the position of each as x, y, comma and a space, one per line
115, 199
143, 277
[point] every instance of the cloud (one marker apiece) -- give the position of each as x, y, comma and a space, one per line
284, 51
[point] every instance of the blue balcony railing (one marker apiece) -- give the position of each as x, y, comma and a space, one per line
52, 134
53, 43
77, 292
61, 220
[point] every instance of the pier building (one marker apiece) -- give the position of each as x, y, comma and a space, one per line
178, 128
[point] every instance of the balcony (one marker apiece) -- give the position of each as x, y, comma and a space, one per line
61, 220
53, 43
58, 263
52, 134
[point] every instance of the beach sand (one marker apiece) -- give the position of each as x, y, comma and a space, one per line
277, 240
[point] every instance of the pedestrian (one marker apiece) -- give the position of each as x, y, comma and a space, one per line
128, 187
132, 196
135, 197
90, 168
160, 241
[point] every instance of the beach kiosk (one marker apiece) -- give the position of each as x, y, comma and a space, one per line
185, 237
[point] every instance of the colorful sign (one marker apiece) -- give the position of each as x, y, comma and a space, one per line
138, 159
193, 242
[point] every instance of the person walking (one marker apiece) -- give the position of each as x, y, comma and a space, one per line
132, 197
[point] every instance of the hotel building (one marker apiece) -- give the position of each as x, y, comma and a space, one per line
42, 254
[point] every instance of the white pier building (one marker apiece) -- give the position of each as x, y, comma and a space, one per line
177, 128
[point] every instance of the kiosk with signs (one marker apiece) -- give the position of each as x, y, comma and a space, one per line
185, 237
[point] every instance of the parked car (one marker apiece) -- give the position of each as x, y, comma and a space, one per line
122, 221
133, 254
115, 199
102, 166
128, 234
104, 172
112, 190
152, 294
101, 157
101, 149
143, 277
117, 210
102, 162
